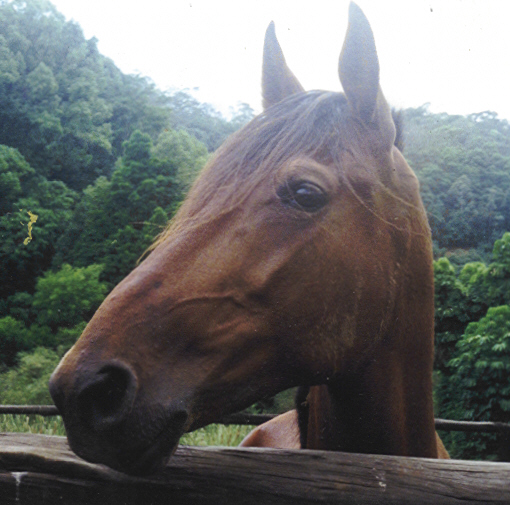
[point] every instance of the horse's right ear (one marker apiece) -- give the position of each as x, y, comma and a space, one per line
278, 82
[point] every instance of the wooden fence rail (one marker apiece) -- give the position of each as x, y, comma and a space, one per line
41, 470
256, 419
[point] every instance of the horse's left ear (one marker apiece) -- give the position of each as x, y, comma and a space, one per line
278, 82
359, 74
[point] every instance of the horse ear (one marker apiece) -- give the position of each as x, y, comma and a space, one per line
278, 82
359, 74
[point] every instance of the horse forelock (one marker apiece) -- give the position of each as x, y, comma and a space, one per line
311, 124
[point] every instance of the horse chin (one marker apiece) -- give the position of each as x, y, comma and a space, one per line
131, 448
152, 460
148, 460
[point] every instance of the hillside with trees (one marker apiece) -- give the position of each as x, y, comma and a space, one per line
463, 164
80, 142
104, 159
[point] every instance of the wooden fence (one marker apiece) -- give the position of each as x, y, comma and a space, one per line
243, 418
41, 470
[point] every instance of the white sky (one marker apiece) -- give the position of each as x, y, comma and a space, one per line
454, 54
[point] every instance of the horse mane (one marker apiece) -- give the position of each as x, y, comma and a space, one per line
305, 124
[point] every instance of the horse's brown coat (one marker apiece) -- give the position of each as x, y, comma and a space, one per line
301, 256
313, 428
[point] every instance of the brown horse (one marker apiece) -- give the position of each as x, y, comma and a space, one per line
302, 256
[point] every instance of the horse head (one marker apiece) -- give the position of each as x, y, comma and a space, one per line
301, 256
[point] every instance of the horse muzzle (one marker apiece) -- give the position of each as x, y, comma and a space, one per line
109, 421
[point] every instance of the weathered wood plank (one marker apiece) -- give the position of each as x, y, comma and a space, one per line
40, 470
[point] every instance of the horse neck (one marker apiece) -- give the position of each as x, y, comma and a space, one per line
384, 404
336, 418
346, 417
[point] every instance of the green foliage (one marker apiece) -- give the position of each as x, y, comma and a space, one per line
19, 306
455, 307
479, 386
182, 150
65, 338
9, 64
88, 150
13, 170
497, 290
463, 164
138, 148
16, 337
472, 346
69, 296
27, 383
20, 263
203, 122
464, 295
63, 105
118, 219
12, 340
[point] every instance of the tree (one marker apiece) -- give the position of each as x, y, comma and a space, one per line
27, 384
118, 219
20, 263
12, 340
204, 122
183, 151
452, 312
497, 279
479, 386
14, 170
69, 296
463, 164
10, 66
463, 296
62, 104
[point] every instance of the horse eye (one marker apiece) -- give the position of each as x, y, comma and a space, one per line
303, 195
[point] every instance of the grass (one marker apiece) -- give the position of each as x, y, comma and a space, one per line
217, 434
214, 434
52, 425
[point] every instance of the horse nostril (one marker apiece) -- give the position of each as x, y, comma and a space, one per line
106, 399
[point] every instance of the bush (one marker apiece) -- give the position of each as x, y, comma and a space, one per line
12, 340
27, 383
69, 296
479, 386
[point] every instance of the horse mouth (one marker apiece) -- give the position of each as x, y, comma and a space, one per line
141, 462
119, 453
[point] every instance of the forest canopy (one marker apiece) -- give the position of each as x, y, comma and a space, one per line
463, 164
102, 158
